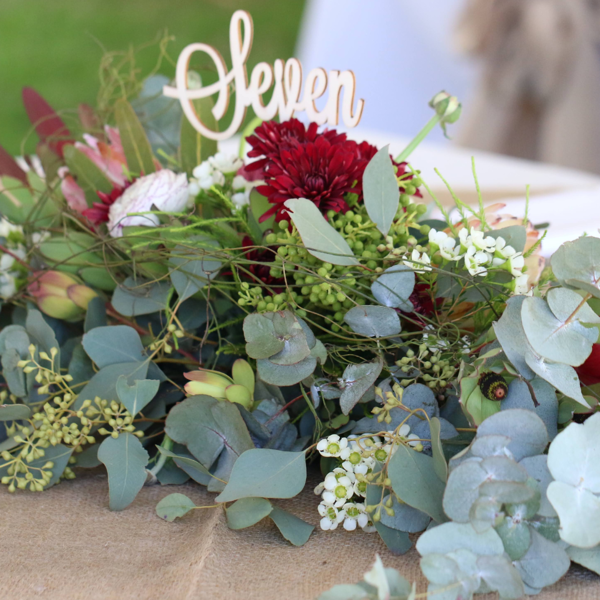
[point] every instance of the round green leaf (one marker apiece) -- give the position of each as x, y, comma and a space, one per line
247, 512
173, 506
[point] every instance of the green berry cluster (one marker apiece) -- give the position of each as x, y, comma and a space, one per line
57, 420
312, 285
427, 365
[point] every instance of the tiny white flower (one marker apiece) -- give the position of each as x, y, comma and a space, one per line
240, 198
332, 516
226, 163
521, 284
515, 264
360, 488
419, 261
445, 244
339, 487
332, 446
502, 250
481, 241
6, 228
355, 514
319, 489
474, 261
413, 439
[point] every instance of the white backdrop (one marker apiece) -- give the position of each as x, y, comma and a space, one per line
400, 51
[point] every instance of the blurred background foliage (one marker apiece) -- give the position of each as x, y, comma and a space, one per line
56, 46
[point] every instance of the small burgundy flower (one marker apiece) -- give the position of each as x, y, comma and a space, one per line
589, 371
98, 212
262, 272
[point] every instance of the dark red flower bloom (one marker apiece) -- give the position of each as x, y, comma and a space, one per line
98, 212
262, 272
589, 371
319, 171
272, 138
300, 162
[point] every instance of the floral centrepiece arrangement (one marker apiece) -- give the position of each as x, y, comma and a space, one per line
175, 313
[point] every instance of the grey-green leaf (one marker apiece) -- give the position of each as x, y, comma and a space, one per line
14, 412
266, 473
356, 381
113, 344
373, 321
133, 298
136, 146
394, 287
138, 395
294, 530
415, 482
247, 512
318, 236
174, 506
381, 193
125, 460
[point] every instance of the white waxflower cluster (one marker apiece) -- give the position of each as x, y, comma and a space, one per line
344, 490
11, 235
214, 171
480, 253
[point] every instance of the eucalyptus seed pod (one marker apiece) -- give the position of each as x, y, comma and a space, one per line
493, 386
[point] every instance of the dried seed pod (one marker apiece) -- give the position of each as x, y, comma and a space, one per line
493, 386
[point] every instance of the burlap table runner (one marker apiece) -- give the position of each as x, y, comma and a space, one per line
65, 544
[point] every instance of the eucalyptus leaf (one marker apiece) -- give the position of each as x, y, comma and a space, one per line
247, 512
318, 236
356, 381
515, 536
527, 431
208, 427
125, 460
587, 557
294, 530
380, 188
174, 506
285, 375
191, 269
544, 562
439, 461
415, 482
462, 490
113, 344
559, 341
137, 396
138, 297
14, 412
450, 537
191, 467
266, 474
373, 321
394, 287
577, 264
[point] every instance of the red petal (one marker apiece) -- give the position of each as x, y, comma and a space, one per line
8, 166
48, 125
589, 371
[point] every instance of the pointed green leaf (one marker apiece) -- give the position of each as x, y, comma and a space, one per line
319, 237
14, 412
294, 530
125, 460
266, 473
380, 188
247, 512
136, 146
138, 395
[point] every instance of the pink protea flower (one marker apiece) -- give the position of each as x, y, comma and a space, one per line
164, 190
108, 157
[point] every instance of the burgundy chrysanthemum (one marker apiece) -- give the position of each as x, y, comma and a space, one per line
319, 171
271, 139
300, 162
262, 272
98, 212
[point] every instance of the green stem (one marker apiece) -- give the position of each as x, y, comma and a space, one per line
418, 139
167, 444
